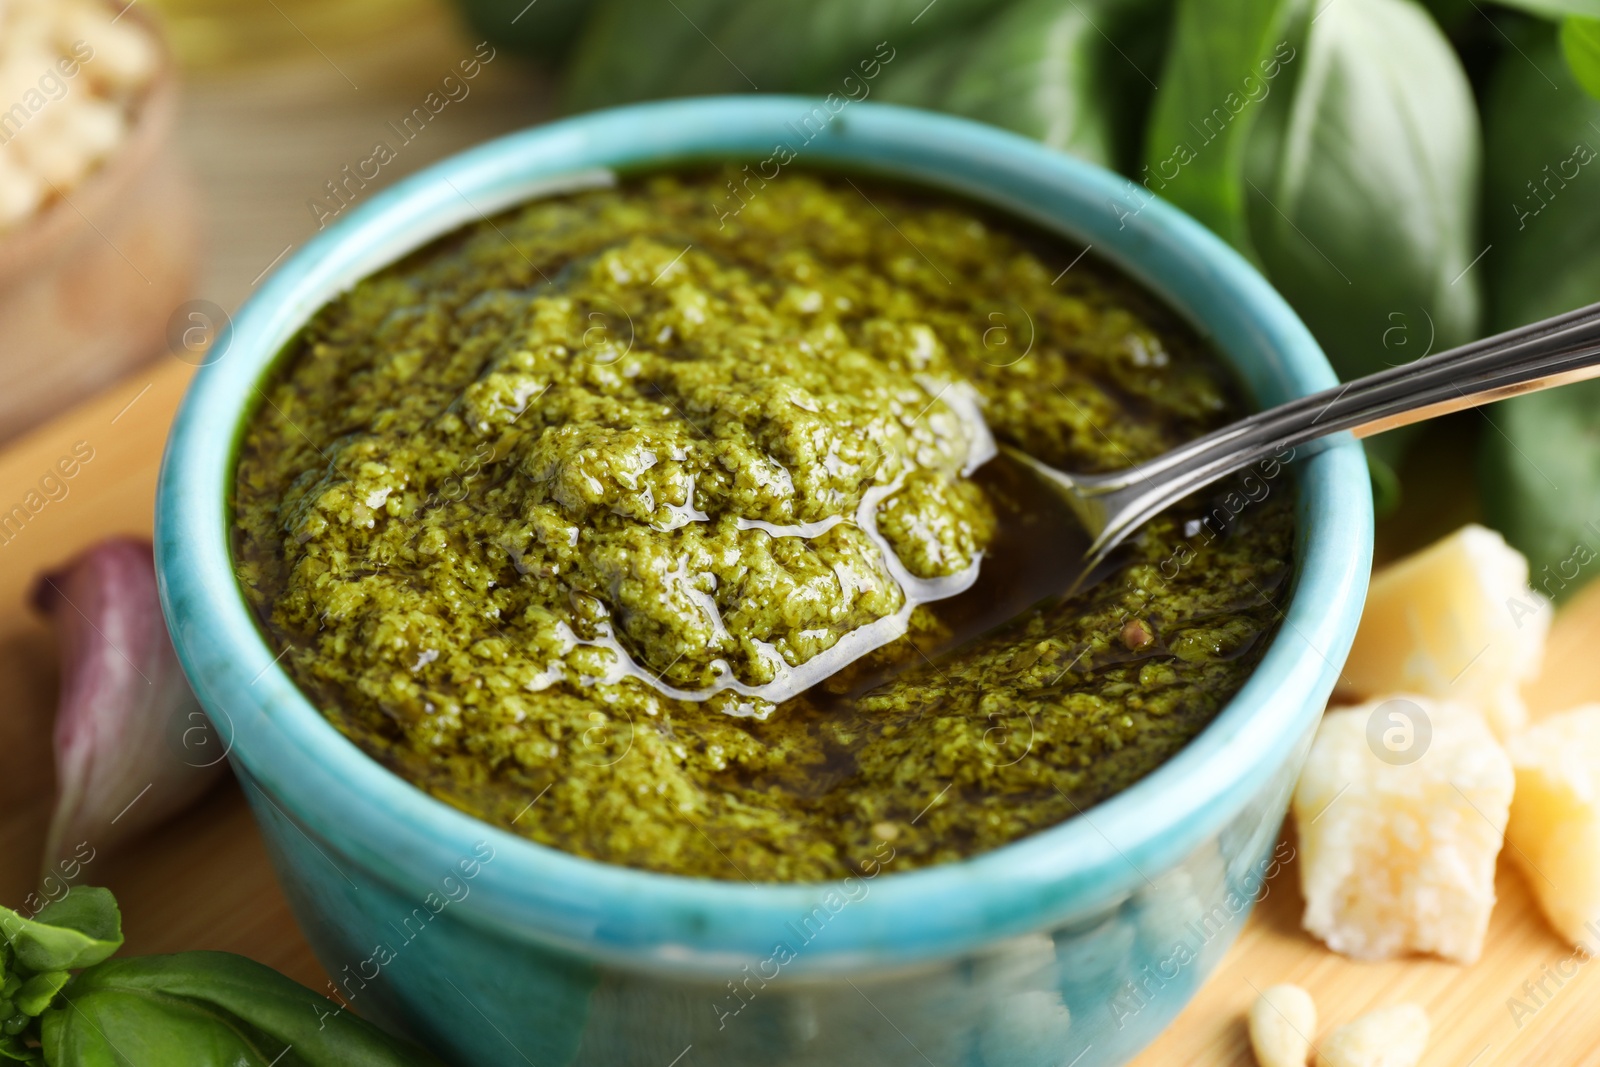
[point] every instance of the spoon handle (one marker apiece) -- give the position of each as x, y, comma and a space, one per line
1554, 351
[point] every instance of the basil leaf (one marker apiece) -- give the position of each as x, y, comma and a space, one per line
812, 45
543, 30
1555, 9
209, 1009
636, 49
1071, 73
37, 992
13, 1049
1539, 471
1222, 61
1364, 184
107, 1030
633, 49
921, 76
79, 930
1541, 188
1580, 42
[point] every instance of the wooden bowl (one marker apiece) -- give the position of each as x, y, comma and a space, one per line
88, 284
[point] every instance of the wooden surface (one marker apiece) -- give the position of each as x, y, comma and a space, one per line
262, 147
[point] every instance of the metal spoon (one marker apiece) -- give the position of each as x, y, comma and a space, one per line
1554, 351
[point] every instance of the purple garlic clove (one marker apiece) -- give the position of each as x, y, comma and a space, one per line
133, 747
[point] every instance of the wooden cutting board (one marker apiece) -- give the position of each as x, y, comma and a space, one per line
203, 881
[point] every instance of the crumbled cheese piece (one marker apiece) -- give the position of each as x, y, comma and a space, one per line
1401, 811
1456, 621
1555, 820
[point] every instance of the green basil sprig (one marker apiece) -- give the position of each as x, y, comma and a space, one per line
37, 956
194, 1009
79, 930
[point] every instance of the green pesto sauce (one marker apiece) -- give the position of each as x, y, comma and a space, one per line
659, 432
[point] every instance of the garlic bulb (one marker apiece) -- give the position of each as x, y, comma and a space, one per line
133, 747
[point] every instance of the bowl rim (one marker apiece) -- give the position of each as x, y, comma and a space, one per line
331, 791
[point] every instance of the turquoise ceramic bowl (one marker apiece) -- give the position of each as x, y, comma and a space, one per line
1074, 946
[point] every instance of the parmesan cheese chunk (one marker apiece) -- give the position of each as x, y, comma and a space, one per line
1455, 621
1401, 811
1554, 831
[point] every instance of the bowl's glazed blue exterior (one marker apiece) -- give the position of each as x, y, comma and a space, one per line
1073, 946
